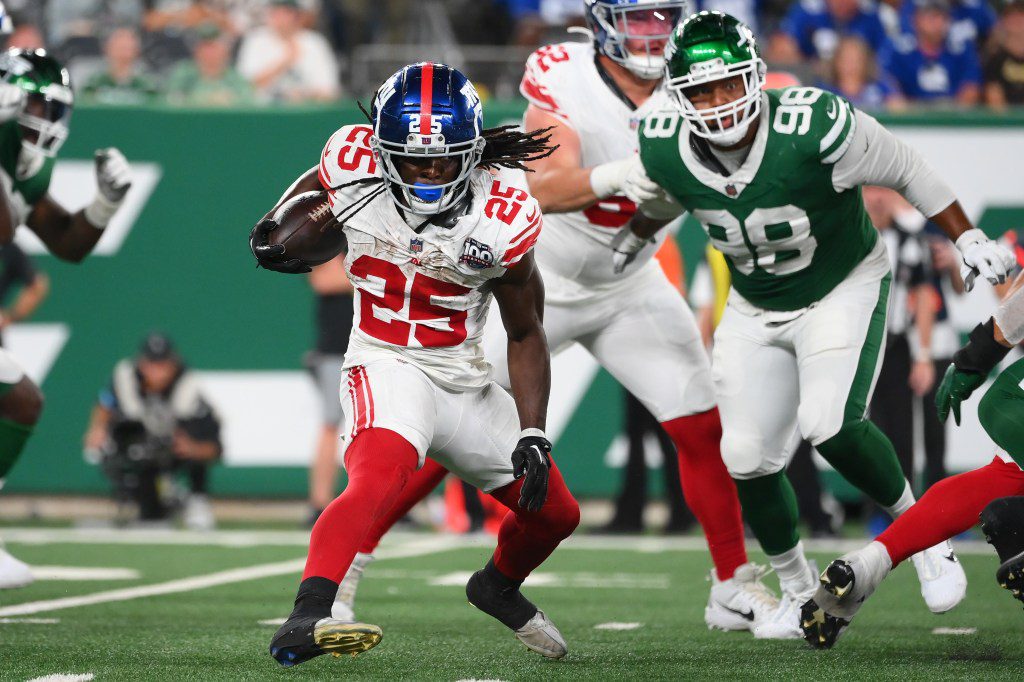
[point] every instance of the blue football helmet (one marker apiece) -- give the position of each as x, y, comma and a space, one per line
433, 111
633, 33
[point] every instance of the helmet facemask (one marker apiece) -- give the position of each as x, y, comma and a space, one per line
625, 26
425, 198
709, 123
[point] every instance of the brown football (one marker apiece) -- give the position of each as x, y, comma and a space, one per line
308, 229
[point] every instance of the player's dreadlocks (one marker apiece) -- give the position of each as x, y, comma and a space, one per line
504, 147
508, 147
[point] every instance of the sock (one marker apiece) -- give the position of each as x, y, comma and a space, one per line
415, 491
867, 459
315, 597
795, 574
379, 462
950, 507
905, 502
769, 506
525, 538
708, 489
13, 437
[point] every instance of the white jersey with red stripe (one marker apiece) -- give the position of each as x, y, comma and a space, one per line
563, 80
421, 296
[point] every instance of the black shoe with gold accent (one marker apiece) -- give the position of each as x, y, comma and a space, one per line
304, 637
1002, 521
821, 629
310, 631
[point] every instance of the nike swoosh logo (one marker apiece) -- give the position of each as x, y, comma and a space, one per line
532, 215
951, 557
831, 112
749, 615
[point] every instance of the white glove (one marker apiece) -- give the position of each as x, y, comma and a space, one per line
984, 257
639, 188
625, 246
607, 179
114, 179
12, 101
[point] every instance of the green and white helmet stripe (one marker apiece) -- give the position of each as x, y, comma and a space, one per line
711, 46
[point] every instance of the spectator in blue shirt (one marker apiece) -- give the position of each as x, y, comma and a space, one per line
812, 29
927, 66
971, 21
853, 74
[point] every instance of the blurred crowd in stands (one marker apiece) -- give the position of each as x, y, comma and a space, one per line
881, 54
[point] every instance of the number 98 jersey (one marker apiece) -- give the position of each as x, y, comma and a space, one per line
788, 235
421, 296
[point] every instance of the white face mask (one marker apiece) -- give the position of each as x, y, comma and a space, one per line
707, 123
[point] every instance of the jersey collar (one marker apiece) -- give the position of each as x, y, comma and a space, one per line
733, 185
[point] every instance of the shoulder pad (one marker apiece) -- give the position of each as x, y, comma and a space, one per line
540, 77
347, 157
820, 121
516, 214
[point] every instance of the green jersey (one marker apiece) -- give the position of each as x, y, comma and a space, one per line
789, 237
22, 192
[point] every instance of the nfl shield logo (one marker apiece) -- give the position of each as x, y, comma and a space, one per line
730, 189
416, 245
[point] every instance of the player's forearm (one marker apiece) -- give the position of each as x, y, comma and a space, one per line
952, 221
643, 226
30, 298
68, 236
529, 370
307, 182
562, 189
924, 320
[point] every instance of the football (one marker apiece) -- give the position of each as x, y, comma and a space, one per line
308, 229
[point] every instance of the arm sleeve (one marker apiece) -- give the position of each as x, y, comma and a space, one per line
877, 157
1010, 316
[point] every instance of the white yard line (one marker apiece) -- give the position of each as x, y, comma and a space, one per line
242, 538
434, 545
77, 573
618, 626
61, 677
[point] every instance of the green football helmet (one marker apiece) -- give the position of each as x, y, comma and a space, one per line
49, 99
711, 46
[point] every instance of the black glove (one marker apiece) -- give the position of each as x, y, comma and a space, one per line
531, 459
268, 256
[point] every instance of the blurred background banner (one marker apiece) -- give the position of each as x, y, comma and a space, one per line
178, 260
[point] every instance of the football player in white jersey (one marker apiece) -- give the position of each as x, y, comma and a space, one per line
592, 96
436, 223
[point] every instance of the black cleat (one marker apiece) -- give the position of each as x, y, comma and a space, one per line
304, 637
1010, 576
1002, 521
821, 629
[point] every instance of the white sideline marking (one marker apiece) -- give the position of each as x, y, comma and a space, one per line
83, 573
954, 631
272, 621
618, 626
60, 677
199, 582
651, 581
30, 621
243, 538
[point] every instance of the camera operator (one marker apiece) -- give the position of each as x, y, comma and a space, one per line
151, 423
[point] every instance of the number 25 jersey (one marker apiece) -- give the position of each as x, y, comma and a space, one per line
422, 296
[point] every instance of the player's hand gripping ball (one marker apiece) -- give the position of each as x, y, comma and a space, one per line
302, 233
531, 461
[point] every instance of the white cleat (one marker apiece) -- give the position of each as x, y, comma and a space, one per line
345, 602
198, 514
784, 622
540, 635
741, 602
943, 581
14, 573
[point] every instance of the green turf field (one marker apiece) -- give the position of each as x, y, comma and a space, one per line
206, 623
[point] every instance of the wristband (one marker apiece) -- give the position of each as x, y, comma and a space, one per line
100, 211
982, 352
533, 433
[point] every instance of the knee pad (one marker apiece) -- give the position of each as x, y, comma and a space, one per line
1003, 523
745, 456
